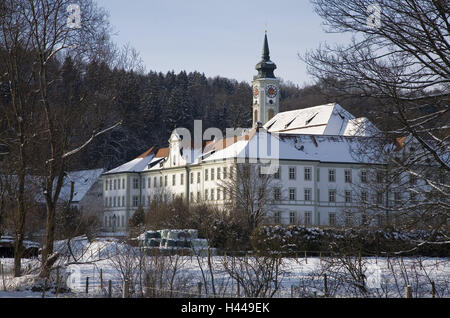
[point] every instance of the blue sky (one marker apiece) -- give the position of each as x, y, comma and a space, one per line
219, 37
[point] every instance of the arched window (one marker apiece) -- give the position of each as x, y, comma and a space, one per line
256, 116
271, 114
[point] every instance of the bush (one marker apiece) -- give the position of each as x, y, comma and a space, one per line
295, 239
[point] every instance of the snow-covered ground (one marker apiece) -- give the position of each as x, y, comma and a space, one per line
179, 276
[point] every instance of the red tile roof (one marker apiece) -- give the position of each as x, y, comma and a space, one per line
147, 153
162, 153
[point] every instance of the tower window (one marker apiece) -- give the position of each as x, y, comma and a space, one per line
271, 114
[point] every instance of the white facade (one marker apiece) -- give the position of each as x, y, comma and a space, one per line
318, 169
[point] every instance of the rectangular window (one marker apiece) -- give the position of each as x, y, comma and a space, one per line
206, 174
380, 177
292, 173
348, 196
114, 202
174, 179
106, 185
318, 174
166, 181
348, 176
135, 183
135, 201
123, 184
198, 196
292, 217
331, 175
364, 197
154, 182
118, 184
206, 195
332, 219
110, 185
379, 197
225, 176
218, 194
277, 194
307, 174
212, 194
308, 196
149, 182
331, 195
292, 194
308, 218
123, 201
198, 177
149, 200
192, 178
212, 174
348, 219
364, 176
412, 179
182, 179
277, 217
218, 173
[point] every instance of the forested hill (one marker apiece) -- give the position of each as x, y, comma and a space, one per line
152, 105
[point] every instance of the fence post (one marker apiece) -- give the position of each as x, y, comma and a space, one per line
101, 280
238, 289
2, 270
199, 289
87, 285
306, 258
292, 291
109, 289
325, 284
433, 290
125, 289
408, 291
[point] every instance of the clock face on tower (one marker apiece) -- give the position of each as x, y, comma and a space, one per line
255, 91
272, 91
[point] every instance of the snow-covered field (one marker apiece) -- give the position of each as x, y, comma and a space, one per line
179, 276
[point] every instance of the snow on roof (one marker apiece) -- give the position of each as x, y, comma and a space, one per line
330, 119
135, 165
83, 181
339, 149
320, 133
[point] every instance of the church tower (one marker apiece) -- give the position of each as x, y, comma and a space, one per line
266, 89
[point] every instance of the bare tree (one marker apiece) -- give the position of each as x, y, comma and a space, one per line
37, 36
249, 194
399, 57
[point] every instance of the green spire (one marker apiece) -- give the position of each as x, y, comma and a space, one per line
266, 52
266, 67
